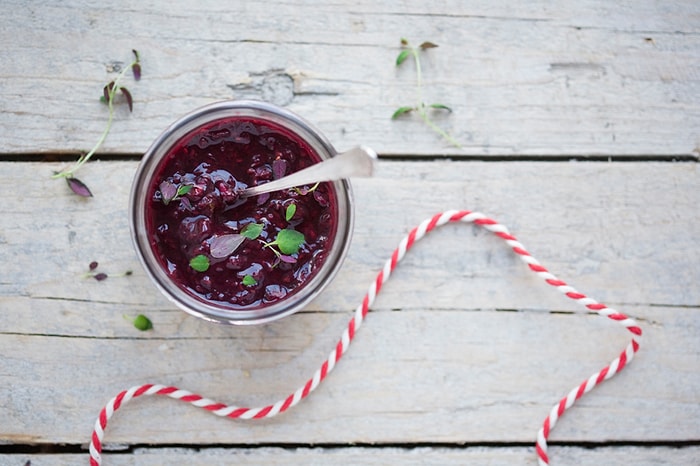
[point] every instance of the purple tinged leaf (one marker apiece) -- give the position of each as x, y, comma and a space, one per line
279, 168
224, 245
427, 45
105, 93
100, 276
263, 198
78, 187
186, 204
136, 68
168, 191
129, 99
93, 265
287, 259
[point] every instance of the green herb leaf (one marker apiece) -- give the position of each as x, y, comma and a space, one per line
252, 230
142, 323
184, 189
248, 280
289, 241
200, 263
441, 107
403, 55
400, 111
291, 210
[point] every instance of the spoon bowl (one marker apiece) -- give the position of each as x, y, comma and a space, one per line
357, 162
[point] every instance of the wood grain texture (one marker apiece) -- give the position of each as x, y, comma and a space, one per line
480, 456
568, 79
460, 347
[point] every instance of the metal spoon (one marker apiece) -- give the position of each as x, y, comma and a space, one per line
355, 162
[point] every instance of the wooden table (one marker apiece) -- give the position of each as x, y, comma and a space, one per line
579, 125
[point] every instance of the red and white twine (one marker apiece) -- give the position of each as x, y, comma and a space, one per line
236, 412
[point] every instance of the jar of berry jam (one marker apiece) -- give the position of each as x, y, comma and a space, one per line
226, 258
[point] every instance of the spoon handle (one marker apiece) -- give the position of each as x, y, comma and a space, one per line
355, 162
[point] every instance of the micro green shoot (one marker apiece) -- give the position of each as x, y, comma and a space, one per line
421, 108
101, 276
286, 244
110, 92
170, 192
303, 191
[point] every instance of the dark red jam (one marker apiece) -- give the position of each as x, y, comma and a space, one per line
228, 250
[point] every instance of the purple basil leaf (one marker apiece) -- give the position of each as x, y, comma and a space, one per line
93, 265
287, 259
185, 203
427, 45
263, 198
105, 92
168, 191
100, 276
279, 168
129, 100
78, 187
224, 245
136, 68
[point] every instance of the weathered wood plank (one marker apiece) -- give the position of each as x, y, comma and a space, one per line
411, 377
576, 78
617, 456
451, 366
611, 229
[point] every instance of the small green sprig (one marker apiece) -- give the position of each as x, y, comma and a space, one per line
421, 108
109, 92
286, 244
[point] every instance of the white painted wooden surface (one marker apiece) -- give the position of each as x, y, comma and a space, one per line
526, 78
507, 456
464, 346
454, 365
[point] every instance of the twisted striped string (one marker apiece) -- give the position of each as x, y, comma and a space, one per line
236, 412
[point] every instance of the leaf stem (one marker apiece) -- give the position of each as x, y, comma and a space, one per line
68, 173
424, 115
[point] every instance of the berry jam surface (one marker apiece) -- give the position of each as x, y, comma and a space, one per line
232, 252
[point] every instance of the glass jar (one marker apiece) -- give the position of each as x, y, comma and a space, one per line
177, 195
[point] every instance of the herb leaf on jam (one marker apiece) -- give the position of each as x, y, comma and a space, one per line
169, 192
248, 280
291, 210
224, 245
288, 241
252, 230
200, 263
